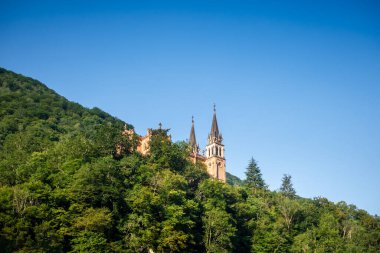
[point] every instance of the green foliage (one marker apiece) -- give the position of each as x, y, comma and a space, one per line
218, 230
233, 180
254, 178
217, 219
287, 186
64, 187
87, 241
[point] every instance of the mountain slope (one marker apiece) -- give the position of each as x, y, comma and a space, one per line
25, 101
233, 180
64, 189
34, 118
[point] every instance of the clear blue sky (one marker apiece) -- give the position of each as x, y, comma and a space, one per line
296, 83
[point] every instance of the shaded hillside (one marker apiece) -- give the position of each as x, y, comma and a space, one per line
25, 101
35, 118
63, 188
233, 180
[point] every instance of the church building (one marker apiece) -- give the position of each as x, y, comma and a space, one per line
213, 156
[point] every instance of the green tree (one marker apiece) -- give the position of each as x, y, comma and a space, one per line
287, 186
324, 238
288, 209
253, 176
91, 242
218, 231
219, 227
70, 182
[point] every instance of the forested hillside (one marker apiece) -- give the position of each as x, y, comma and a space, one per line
64, 188
233, 180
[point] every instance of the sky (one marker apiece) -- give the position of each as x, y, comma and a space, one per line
296, 83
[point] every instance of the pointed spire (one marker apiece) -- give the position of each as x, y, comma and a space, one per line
214, 127
192, 139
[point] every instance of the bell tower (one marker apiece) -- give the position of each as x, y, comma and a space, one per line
215, 161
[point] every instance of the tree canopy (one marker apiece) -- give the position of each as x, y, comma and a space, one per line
64, 188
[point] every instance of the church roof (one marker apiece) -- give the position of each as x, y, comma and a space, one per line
192, 139
214, 127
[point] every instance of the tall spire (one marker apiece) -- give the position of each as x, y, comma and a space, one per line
215, 161
192, 139
214, 127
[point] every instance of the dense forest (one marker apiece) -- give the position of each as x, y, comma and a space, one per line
64, 187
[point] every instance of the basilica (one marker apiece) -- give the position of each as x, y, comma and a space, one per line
212, 156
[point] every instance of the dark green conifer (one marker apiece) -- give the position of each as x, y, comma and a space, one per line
254, 178
287, 186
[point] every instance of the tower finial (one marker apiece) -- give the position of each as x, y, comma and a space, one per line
192, 119
160, 125
214, 107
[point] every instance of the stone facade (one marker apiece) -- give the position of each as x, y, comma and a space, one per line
143, 146
214, 154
